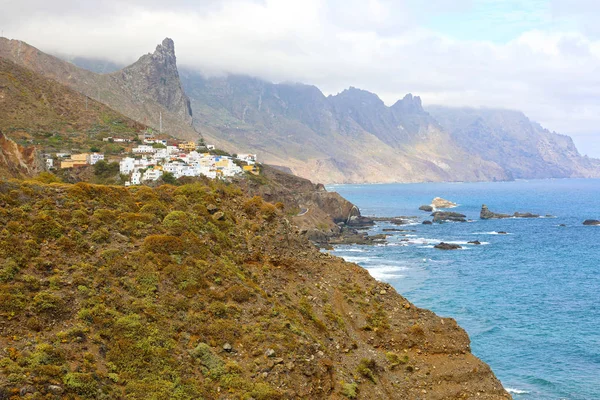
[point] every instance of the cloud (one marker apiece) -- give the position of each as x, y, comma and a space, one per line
548, 68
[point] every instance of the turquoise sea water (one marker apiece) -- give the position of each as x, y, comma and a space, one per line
530, 300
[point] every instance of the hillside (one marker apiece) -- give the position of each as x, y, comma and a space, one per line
198, 292
351, 137
39, 111
521, 147
142, 91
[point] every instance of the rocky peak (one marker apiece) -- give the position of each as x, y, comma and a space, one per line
358, 97
410, 104
155, 76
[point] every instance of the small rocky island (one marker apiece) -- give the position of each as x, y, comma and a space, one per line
487, 214
438, 202
447, 246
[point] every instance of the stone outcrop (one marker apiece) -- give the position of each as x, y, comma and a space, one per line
438, 202
442, 216
426, 208
17, 161
485, 213
447, 246
154, 77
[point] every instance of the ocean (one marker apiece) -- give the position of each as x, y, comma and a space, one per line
529, 300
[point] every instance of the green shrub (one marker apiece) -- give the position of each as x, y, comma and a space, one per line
83, 384
350, 390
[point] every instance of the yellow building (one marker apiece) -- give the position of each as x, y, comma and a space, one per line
76, 160
253, 169
189, 146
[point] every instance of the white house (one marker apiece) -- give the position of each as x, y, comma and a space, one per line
144, 149
93, 158
136, 178
49, 163
152, 175
127, 165
248, 158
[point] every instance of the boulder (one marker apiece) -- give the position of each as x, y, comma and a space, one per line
438, 202
426, 208
477, 242
441, 216
447, 246
591, 222
219, 216
502, 233
427, 223
55, 390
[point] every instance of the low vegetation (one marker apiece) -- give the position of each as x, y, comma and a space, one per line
195, 292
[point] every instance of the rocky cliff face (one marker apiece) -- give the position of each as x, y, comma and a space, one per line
155, 77
143, 91
17, 161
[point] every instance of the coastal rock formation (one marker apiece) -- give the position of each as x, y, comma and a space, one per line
591, 222
438, 202
441, 216
476, 242
426, 208
487, 214
447, 246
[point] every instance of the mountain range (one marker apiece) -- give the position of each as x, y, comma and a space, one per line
351, 137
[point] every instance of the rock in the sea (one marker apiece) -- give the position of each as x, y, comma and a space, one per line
487, 214
591, 222
474, 242
440, 216
447, 246
427, 223
525, 215
438, 202
502, 233
426, 208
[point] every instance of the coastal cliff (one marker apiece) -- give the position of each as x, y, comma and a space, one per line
198, 291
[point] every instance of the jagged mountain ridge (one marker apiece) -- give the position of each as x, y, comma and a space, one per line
354, 137
143, 91
517, 144
350, 137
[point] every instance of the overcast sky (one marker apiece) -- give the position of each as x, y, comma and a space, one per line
538, 56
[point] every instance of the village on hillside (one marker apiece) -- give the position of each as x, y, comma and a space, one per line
149, 158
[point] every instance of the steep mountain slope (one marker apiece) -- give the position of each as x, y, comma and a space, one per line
143, 91
522, 147
110, 292
350, 137
40, 111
